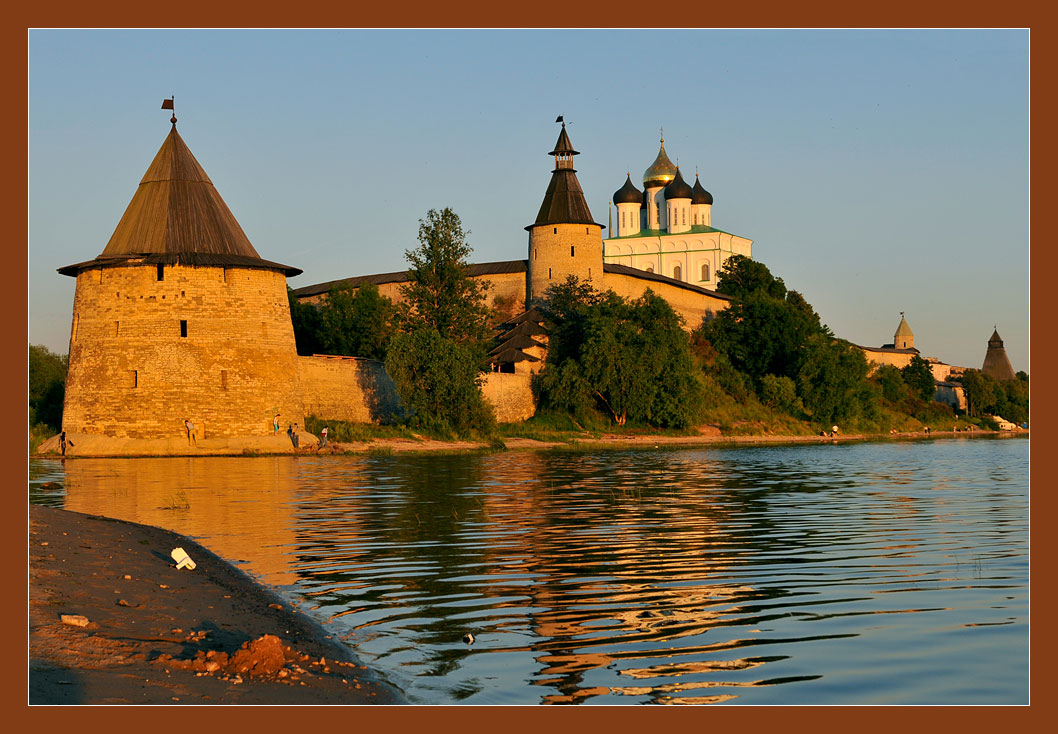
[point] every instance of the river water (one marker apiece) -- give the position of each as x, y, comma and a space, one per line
861, 573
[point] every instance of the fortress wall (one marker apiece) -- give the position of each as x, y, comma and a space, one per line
510, 395
133, 375
895, 359
347, 389
692, 306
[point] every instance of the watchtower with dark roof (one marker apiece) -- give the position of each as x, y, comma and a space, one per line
997, 363
179, 317
564, 240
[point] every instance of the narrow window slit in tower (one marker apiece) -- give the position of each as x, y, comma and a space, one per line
73, 336
161, 272
571, 251
549, 273
117, 328
134, 378
555, 230
183, 328
223, 379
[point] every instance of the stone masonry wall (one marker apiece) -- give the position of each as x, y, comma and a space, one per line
134, 375
510, 395
347, 389
692, 306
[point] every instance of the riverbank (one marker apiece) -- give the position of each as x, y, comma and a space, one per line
138, 630
84, 445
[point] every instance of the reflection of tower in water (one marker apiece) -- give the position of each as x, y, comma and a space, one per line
242, 505
599, 597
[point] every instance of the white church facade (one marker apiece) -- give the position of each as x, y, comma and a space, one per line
667, 228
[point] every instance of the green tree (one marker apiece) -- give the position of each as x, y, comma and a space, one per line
780, 393
439, 294
305, 318
438, 380
47, 386
833, 382
918, 376
741, 276
357, 323
980, 392
631, 357
891, 382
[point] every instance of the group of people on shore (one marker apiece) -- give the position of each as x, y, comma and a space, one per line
295, 438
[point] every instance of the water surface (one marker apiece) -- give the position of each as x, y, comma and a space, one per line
874, 573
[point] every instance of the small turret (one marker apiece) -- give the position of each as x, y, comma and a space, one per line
701, 204
904, 338
678, 204
629, 201
997, 363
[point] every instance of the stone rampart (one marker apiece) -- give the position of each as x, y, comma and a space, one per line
510, 395
347, 389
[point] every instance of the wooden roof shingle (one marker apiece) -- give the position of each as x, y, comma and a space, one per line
178, 214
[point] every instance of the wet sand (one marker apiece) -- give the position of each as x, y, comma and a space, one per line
104, 446
156, 634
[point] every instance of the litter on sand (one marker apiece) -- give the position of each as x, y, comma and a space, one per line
182, 559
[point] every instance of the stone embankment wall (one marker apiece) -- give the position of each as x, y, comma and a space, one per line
360, 391
510, 396
212, 344
347, 389
693, 307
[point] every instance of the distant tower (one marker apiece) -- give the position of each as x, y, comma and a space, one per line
997, 363
564, 240
678, 204
904, 338
179, 317
629, 201
701, 204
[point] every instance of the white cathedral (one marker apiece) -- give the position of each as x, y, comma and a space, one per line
667, 227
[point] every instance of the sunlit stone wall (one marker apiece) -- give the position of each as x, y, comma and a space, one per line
209, 343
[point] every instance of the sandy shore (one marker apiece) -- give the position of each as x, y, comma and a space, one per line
150, 633
84, 445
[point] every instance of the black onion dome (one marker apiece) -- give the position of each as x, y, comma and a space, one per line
628, 194
698, 194
678, 188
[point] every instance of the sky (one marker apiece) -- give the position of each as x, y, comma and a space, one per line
876, 171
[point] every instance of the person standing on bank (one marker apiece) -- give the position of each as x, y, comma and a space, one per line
323, 439
191, 437
63, 441
294, 436
275, 425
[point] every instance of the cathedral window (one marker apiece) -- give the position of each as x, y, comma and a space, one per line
684, 221
705, 271
677, 273
650, 268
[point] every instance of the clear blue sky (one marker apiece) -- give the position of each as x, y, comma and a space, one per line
876, 171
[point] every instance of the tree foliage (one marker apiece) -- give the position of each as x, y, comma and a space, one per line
357, 323
438, 380
765, 328
47, 386
833, 382
439, 294
631, 358
305, 318
987, 396
918, 376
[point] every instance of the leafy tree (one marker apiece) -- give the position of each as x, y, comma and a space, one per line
742, 276
980, 392
357, 323
780, 393
439, 294
631, 357
47, 386
438, 380
891, 382
833, 383
305, 318
918, 377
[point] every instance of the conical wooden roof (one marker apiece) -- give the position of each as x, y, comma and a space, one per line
177, 215
997, 363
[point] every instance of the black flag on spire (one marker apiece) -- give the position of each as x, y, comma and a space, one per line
558, 119
167, 104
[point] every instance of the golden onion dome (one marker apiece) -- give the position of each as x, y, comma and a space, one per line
661, 172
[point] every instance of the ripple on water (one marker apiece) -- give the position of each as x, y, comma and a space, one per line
853, 574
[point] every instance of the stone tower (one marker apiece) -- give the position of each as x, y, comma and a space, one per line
179, 317
997, 363
904, 338
564, 240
